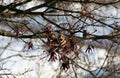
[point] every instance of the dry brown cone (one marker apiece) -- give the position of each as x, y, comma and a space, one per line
62, 40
